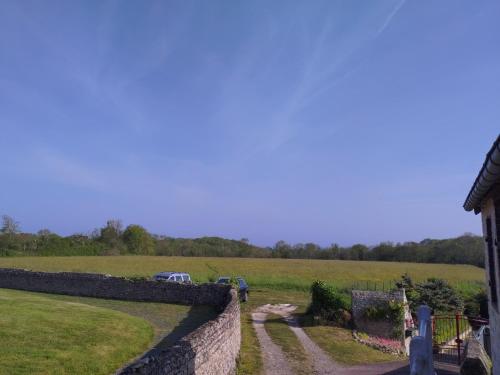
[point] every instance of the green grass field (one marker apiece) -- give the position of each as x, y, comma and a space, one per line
271, 281
46, 333
40, 335
293, 274
170, 322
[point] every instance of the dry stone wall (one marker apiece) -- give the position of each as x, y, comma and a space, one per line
211, 349
361, 300
103, 286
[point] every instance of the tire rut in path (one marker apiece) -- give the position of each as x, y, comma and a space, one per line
275, 362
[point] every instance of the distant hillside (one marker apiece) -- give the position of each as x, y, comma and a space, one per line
209, 246
113, 239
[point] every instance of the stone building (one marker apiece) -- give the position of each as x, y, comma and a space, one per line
484, 198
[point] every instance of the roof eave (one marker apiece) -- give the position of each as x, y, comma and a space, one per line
488, 176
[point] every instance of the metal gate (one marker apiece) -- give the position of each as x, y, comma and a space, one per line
449, 333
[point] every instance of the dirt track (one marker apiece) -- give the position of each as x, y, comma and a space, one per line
276, 363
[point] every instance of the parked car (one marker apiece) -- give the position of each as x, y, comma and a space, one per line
180, 277
224, 280
244, 290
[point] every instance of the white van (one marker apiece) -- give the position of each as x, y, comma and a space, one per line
180, 277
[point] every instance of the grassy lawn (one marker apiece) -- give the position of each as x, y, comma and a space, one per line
283, 336
338, 342
271, 281
169, 322
293, 274
40, 335
47, 333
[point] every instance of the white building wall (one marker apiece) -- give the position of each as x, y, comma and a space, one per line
488, 210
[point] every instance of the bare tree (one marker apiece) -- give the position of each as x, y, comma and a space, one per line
9, 225
44, 232
115, 225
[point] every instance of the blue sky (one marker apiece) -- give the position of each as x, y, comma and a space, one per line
324, 121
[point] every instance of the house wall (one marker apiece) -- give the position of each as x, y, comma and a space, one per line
488, 210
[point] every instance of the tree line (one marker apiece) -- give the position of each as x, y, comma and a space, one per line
115, 239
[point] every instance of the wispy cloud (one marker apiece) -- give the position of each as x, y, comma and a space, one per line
100, 72
131, 179
62, 169
389, 18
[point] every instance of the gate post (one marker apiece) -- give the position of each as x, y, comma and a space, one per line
458, 340
421, 362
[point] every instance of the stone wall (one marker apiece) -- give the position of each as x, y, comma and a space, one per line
210, 349
363, 299
103, 286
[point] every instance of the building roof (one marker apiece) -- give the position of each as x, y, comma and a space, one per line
488, 176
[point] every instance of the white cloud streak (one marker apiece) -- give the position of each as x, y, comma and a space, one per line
389, 18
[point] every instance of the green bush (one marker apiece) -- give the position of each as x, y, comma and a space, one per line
329, 303
477, 305
438, 294
326, 297
392, 311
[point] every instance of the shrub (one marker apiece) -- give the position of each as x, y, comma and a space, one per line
326, 297
329, 303
477, 305
436, 293
390, 311
439, 296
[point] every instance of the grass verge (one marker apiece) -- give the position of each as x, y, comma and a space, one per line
283, 336
340, 345
250, 359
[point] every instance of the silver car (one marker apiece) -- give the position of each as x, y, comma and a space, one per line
180, 277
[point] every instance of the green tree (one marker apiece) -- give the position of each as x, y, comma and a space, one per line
110, 236
439, 296
138, 240
359, 252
